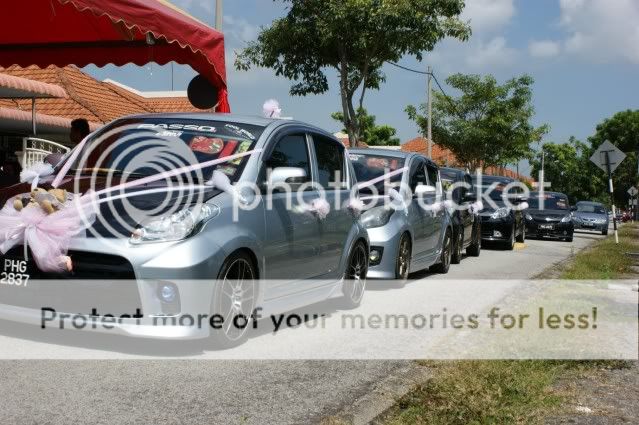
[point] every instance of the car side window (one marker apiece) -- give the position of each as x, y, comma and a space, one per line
418, 175
331, 163
433, 175
290, 151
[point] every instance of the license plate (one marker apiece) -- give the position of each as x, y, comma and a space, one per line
546, 226
589, 225
14, 273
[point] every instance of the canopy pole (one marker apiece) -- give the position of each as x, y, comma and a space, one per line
33, 114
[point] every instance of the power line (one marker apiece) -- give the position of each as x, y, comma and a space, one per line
409, 69
416, 71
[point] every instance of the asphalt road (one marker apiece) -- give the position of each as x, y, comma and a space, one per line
222, 391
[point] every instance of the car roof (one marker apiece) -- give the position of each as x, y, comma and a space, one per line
494, 178
591, 203
389, 154
549, 193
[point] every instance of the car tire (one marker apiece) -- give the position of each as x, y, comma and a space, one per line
355, 277
444, 262
230, 298
569, 238
458, 248
474, 249
522, 236
404, 255
509, 245
604, 232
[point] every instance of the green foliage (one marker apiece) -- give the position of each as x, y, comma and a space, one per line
354, 37
569, 170
371, 133
488, 124
622, 130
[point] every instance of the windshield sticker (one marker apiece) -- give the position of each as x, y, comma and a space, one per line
206, 145
240, 131
169, 133
244, 147
178, 126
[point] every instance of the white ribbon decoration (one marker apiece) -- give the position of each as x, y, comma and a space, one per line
32, 174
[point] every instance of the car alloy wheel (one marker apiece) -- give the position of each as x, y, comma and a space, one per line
355, 277
235, 300
459, 246
403, 258
475, 248
447, 250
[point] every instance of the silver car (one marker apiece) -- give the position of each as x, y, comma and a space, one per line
272, 255
408, 240
590, 216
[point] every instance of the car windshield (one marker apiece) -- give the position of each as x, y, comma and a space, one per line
548, 202
368, 167
448, 177
147, 146
497, 193
591, 208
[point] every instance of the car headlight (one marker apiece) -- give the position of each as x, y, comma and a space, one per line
529, 217
173, 227
500, 213
376, 217
567, 218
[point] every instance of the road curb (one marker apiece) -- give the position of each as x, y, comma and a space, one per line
382, 396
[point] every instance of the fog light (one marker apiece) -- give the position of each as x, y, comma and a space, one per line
497, 233
374, 257
167, 292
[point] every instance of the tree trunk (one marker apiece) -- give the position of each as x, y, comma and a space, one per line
350, 118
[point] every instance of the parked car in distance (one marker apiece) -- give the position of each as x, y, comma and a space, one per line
466, 222
276, 258
549, 216
502, 223
410, 240
588, 215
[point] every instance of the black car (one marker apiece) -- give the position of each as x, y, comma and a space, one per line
466, 222
549, 216
501, 222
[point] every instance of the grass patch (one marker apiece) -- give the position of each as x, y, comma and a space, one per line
508, 391
605, 259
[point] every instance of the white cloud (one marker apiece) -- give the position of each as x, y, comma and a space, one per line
544, 48
494, 53
602, 31
239, 30
488, 15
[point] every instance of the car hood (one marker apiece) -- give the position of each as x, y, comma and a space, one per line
117, 217
590, 216
550, 214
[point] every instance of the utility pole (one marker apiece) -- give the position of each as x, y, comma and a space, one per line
430, 112
218, 15
612, 197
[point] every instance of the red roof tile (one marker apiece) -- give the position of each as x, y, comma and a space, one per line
96, 101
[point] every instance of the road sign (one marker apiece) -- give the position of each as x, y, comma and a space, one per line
633, 191
614, 154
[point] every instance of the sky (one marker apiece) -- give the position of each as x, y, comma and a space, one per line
583, 55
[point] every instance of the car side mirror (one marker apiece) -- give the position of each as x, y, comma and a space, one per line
470, 197
573, 208
283, 176
518, 199
423, 190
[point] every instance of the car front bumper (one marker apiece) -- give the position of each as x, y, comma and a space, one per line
553, 230
387, 238
496, 229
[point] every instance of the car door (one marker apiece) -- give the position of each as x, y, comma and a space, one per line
420, 219
437, 217
332, 176
292, 243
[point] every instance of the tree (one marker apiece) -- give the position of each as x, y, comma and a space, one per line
488, 124
568, 168
353, 37
622, 130
371, 133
